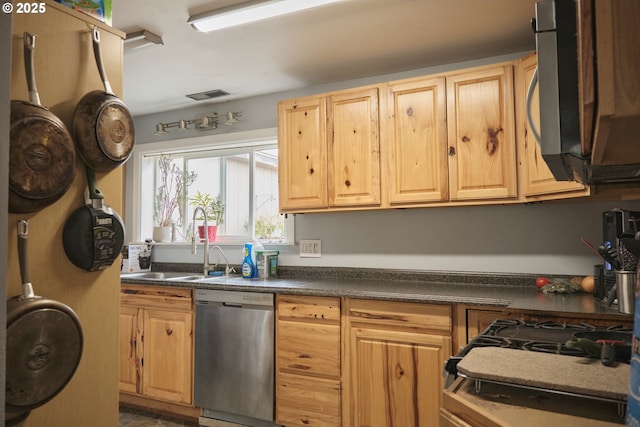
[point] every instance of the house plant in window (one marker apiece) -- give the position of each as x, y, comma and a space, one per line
214, 209
171, 196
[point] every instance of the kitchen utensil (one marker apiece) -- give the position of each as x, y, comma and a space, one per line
610, 255
590, 246
620, 340
631, 248
93, 235
603, 349
42, 159
626, 290
102, 125
611, 296
44, 343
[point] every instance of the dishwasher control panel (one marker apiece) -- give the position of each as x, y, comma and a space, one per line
204, 296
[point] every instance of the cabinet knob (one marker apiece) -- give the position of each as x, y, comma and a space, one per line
452, 150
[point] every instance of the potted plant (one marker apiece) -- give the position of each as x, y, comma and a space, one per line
214, 210
170, 197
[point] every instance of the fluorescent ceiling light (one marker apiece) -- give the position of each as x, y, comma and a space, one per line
250, 11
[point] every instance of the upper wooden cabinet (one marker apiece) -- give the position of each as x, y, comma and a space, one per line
329, 151
455, 138
302, 148
416, 141
537, 181
481, 136
354, 148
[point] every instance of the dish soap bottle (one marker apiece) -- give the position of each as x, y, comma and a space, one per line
248, 265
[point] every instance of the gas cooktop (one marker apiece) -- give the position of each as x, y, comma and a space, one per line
547, 337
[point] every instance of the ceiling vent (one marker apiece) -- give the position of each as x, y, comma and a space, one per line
210, 94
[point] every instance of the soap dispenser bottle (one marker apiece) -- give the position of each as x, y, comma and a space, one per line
248, 265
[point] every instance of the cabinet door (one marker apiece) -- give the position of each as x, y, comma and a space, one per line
396, 377
536, 177
354, 151
308, 401
309, 348
168, 355
302, 142
416, 141
130, 352
480, 121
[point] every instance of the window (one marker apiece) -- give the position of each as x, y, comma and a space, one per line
242, 175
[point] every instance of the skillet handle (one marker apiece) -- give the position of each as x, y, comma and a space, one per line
29, 47
94, 191
23, 231
608, 355
98, 56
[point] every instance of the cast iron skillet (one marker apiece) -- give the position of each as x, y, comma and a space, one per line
42, 158
93, 235
102, 125
44, 344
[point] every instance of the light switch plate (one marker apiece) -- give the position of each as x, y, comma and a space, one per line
310, 248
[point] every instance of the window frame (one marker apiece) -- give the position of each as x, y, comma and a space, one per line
249, 139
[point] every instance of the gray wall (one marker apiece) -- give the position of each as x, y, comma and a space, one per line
5, 109
529, 238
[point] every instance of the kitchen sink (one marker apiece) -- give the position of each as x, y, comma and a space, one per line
190, 278
227, 280
153, 275
180, 277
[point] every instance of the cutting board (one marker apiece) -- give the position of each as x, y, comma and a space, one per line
553, 372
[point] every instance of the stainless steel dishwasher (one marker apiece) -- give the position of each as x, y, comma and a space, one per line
234, 356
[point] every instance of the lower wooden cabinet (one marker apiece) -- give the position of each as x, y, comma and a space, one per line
156, 343
393, 363
308, 370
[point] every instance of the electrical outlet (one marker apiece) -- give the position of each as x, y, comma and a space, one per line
311, 248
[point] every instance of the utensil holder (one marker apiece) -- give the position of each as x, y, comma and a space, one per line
626, 289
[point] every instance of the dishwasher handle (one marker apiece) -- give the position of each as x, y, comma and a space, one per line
232, 304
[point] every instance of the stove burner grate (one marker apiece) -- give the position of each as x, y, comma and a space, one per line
577, 327
554, 348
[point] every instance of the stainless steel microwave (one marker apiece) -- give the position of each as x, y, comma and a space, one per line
564, 149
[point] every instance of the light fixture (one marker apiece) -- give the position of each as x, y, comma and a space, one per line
140, 39
250, 11
203, 122
231, 118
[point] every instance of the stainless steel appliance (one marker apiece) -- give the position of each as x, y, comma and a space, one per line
570, 55
556, 44
547, 337
550, 338
234, 356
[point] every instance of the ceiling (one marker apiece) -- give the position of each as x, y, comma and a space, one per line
348, 40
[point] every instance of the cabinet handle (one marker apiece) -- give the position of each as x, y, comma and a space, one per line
532, 125
452, 150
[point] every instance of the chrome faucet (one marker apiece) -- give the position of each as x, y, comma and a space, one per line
206, 238
227, 269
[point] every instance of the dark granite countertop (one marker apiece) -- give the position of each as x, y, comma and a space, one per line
513, 291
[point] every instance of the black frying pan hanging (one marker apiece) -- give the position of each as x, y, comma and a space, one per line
42, 158
93, 235
44, 344
102, 125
